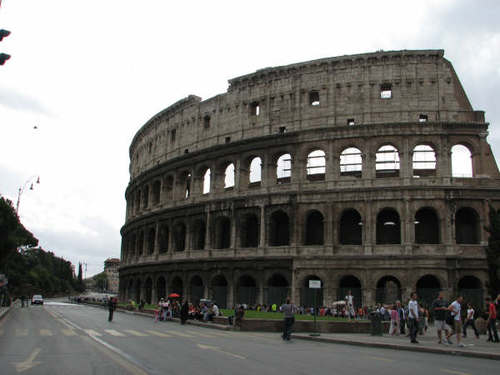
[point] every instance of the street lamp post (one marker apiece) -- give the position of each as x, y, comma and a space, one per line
30, 182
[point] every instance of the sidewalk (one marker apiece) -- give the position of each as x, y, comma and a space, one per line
3, 312
428, 343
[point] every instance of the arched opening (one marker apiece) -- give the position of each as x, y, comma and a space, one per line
279, 229
163, 238
461, 161
388, 227
247, 290
314, 228
156, 192
466, 226
176, 286
387, 162
148, 290
351, 228
180, 236
428, 288
140, 243
169, 187
197, 289
151, 241
138, 201
133, 246
145, 197
388, 290
199, 233
309, 296
316, 165
426, 226
277, 290
130, 290
350, 283
351, 162
223, 233
284, 169
184, 184
250, 231
161, 287
206, 181
424, 161
471, 289
255, 170
219, 291
229, 176
138, 291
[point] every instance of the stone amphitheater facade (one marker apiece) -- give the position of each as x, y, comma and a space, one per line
368, 172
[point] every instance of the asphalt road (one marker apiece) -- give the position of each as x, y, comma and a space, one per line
60, 338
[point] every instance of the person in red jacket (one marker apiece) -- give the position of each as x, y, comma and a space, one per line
492, 317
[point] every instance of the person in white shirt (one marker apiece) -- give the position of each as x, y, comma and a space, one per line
470, 321
413, 318
455, 309
349, 300
215, 309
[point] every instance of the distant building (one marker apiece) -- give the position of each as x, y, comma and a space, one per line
111, 266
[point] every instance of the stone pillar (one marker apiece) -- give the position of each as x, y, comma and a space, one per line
262, 239
208, 230
156, 250
154, 290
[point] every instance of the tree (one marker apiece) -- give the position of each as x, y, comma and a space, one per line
101, 281
493, 251
12, 233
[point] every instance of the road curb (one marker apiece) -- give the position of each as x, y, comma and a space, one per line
4, 312
413, 348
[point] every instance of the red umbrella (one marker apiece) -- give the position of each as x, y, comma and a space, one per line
173, 295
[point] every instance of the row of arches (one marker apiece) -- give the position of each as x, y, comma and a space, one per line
179, 235
352, 161
248, 290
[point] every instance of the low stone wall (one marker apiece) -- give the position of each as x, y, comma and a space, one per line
271, 325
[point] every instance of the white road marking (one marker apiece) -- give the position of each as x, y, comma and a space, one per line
46, 332
159, 334
112, 332
68, 332
135, 333
91, 332
29, 363
216, 349
181, 334
21, 332
201, 334
454, 372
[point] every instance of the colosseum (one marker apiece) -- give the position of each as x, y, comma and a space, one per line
368, 172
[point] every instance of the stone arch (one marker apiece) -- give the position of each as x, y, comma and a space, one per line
140, 243
151, 241
388, 227
206, 181
279, 229
352, 283
219, 290
277, 289
179, 233
130, 289
255, 170
184, 184
145, 196
176, 286
199, 234
426, 226
246, 290
163, 238
423, 160
148, 290
316, 165
350, 228
461, 161
387, 162
249, 230
229, 176
168, 187
284, 168
471, 288
156, 192
308, 296
196, 289
161, 287
138, 290
351, 162
314, 228
467, 226
427, 288
388, 290
223, 232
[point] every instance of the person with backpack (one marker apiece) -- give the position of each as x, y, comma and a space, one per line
470, 321
455, 309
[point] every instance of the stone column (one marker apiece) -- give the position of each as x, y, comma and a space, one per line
156, 250
262, 239
154, 290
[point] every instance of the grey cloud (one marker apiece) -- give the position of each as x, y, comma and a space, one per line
20, 102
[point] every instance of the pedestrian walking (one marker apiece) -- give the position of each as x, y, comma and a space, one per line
402, 317
492, 317
288, 310
184, 312
439, 310
470, 321
111, 308
455, 309
349, 300
394, 328
413, 318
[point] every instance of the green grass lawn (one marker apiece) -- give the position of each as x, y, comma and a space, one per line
251, 314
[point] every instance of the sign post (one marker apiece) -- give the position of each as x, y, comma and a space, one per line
316, 285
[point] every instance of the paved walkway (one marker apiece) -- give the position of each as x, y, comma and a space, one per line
478, 348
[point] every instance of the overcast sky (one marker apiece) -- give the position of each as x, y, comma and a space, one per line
90, 73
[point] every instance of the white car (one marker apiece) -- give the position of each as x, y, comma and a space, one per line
37, 300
